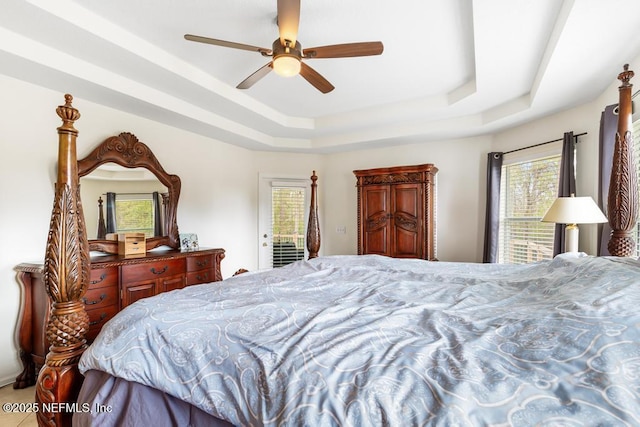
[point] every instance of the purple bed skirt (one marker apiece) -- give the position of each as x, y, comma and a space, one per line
117, 402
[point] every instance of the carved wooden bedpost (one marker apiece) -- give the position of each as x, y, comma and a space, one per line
313, 228
66, 275
622, 206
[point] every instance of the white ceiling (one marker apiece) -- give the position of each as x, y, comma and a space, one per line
450, 68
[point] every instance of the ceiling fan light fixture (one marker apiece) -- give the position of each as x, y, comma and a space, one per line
286, 65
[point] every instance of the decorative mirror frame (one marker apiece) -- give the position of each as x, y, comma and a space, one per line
127, 151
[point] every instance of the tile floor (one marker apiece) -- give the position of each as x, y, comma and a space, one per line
9, 395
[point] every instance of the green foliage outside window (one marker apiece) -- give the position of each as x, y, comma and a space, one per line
527, 191
288, 215
135, 216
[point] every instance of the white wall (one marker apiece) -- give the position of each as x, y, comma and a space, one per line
220, 183
461, 180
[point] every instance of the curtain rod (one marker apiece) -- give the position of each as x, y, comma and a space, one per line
543, 143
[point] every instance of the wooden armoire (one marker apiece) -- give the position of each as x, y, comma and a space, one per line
397, 211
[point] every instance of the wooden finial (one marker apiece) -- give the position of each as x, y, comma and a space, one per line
68, 114
626, 75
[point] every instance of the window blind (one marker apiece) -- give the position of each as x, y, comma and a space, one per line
527, 189
288, 224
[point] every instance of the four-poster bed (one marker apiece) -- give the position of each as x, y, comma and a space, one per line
405, 350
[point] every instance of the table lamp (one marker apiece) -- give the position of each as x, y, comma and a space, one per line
573, 211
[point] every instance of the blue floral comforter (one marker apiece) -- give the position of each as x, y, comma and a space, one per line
374, 341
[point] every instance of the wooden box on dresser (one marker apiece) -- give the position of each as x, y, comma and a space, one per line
115, 282
397, 211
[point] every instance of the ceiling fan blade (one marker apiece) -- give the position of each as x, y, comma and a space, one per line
288, 20
344, 50
225, 43
257, 75
313, 77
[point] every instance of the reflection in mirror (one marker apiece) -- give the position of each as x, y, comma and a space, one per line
136, 161
129, 187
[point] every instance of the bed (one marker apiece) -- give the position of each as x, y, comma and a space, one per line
355, 340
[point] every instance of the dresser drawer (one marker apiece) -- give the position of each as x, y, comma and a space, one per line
100, 297
98, 317
152, 270
202, 276
197, 263
99, 277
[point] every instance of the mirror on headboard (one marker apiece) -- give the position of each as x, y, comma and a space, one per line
127, 151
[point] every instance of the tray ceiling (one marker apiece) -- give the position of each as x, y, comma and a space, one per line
450, 68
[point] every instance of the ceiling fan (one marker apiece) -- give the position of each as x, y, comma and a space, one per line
287, 53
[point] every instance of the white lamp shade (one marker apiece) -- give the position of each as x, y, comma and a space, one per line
574, 210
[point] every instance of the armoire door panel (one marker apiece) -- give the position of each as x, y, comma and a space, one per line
407, 199
376, 241
407, 244
376, 201
406, 208
375, 214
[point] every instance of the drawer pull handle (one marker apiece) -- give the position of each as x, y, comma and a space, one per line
202, 263
204, 277
95, 322
87, 302
153, 270
102, 277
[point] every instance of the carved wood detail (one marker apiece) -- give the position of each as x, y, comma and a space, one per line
622, 206
378, 220
66, 276
391, 178
313, 226
406, 221
126, 150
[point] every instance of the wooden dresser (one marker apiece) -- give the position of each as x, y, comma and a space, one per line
397, 211
115, 282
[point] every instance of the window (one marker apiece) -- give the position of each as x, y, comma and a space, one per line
527, 189
135, 213
283, 214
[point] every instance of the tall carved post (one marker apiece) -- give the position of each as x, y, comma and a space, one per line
102, 227
313, 228
622, 206
66, 275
